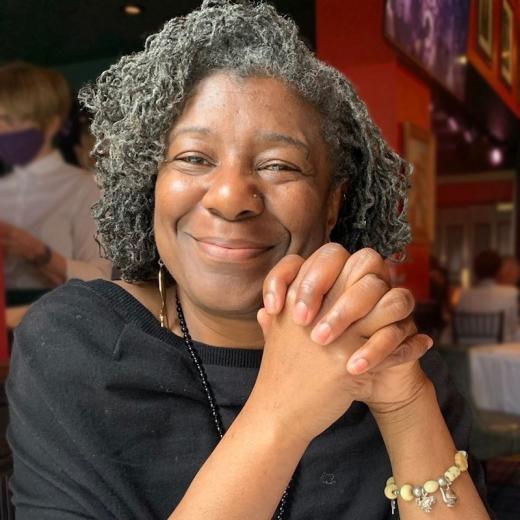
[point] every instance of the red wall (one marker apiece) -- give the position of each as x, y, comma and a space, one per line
458, 194
350, 37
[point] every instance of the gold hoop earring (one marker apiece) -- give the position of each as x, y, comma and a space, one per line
163, 315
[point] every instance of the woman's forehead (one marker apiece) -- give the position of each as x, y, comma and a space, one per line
265, 102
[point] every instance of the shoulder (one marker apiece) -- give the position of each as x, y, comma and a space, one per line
80, 179
146, 293
74, 319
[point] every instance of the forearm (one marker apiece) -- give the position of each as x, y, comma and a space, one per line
421, 448
246, 474
56, 269
14, 315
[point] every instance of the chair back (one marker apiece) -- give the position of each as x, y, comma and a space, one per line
478, 328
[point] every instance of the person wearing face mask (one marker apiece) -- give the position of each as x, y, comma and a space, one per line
46, 230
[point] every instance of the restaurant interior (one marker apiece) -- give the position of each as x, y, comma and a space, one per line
441, 78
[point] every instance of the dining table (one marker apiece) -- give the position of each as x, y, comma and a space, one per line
495, 377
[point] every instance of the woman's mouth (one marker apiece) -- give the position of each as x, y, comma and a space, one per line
230, 250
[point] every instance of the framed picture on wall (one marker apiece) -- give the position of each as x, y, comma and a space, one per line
506, 42
485, 27
419, 150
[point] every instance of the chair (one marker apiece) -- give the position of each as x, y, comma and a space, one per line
478, 328
494, 434
428, 318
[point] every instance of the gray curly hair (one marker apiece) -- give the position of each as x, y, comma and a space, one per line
136, 101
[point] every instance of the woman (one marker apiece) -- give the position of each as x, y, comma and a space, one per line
228, 155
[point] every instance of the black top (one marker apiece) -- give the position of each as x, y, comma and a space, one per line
109, 419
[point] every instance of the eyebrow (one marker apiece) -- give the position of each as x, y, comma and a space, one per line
273, 137
277, 137
190, 130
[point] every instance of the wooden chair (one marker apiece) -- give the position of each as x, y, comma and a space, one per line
478, 328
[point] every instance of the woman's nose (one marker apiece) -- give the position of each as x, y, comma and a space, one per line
233, 193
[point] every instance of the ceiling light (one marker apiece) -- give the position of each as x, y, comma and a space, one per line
496, 156
132, 9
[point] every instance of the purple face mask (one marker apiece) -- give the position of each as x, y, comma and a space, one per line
20, 148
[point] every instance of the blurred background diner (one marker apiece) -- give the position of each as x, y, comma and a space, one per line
441, 79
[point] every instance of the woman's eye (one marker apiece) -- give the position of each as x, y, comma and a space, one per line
278, 167
196, 160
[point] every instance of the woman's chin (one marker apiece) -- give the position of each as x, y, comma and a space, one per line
233, 301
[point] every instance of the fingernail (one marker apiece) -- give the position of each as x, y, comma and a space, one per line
321, 333
270, 303
357, 366
301, 313
429, 343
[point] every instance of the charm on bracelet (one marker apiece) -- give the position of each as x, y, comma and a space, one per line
448, 496
425, 501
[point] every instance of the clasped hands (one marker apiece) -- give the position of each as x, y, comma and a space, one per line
335, 331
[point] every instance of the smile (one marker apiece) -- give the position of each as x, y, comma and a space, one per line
224, 250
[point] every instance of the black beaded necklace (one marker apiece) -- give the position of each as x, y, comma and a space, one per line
217, 420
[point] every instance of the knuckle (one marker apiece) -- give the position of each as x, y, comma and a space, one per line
403, 353
373, 281
369, 257
395, 333
307, 287
401, 301
333, 248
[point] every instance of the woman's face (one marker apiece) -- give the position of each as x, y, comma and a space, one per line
245, 182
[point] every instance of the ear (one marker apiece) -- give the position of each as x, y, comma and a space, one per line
334, 205
52, 128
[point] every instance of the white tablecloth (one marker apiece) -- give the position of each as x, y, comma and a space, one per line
495, 377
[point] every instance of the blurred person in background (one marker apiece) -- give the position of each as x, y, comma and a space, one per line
509, 273
489, 295
85, 144
46, 229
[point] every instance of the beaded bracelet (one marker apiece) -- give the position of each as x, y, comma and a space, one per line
424, 494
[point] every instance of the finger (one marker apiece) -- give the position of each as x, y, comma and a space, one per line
396, 305
357, 301
264, 320
411, 349
380, 345
363, 262
319, 274
276, 283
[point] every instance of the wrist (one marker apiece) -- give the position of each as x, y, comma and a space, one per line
405, 413
276, 427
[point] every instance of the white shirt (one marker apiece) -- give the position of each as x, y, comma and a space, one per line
51, 199
490, 297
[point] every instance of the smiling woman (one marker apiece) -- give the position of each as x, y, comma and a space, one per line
254, 360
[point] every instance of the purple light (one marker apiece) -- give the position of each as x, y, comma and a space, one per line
453, 124
496, 156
